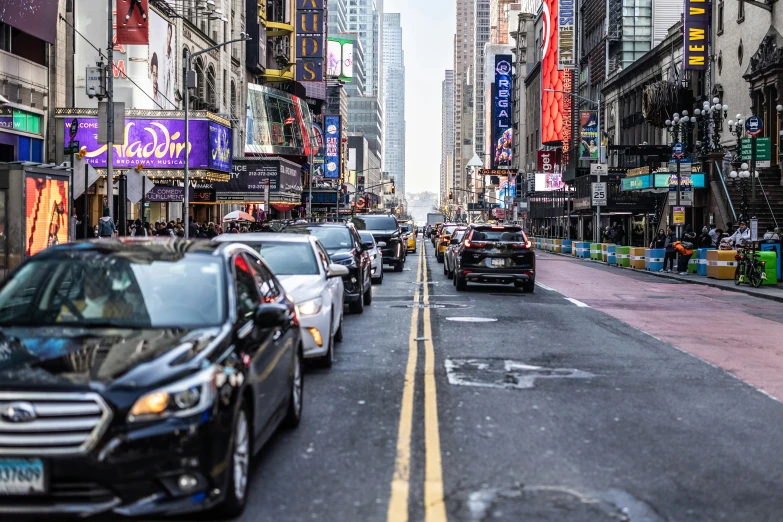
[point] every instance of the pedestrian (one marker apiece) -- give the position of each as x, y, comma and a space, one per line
740, 236
211, 231
659, 241
705, 239
714, 235
138, 229
619, 234
771, 235
671, 253
106, 226
685, 255
689, 238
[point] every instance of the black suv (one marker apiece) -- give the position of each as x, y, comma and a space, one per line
385, 228
344, 246
499, 254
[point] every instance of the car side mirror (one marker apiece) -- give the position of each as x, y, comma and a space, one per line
453, 242
381, 244
336, 270
271, 315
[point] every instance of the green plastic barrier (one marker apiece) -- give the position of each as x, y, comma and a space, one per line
623, 256
693, 263
770, 257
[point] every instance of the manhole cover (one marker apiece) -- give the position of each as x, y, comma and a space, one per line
505, 373
471, 319
430, 305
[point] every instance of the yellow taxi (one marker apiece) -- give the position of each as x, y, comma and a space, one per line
407, 230
435, 230
446, 230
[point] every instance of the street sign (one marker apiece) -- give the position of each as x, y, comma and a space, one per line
72, 147
599, 194
763, 151
754, 229
679, 215
754, 125
678, 150
598, 169
74, 130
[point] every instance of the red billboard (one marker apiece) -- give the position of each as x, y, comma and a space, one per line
547, 160
132, 22
551, 78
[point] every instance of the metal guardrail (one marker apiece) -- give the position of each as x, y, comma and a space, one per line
767, 200
726, 192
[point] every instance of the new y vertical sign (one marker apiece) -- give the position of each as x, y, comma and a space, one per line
696, 32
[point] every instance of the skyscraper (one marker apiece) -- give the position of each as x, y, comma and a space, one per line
481, 22
464, 50
447, 135
394, 114
337, 17
365, 18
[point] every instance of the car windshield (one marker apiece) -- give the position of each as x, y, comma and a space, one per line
367, 237
509, 235
405, 228
333, 238
118, 290
375, 222
458, 235
287, 258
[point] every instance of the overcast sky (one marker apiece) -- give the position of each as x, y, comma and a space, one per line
427, 39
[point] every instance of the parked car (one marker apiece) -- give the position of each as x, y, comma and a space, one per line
434, 233
408, 232
444, 237
385, 229
499, 254
139, 377
376, 255
315, 284
451, 250
344, 246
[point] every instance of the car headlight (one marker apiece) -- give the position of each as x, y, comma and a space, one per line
183, 398
311, 307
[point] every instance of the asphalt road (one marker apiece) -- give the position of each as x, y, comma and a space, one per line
550, 410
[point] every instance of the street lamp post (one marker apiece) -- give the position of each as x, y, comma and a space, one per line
243, 37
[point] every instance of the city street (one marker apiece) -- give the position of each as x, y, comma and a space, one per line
605, 395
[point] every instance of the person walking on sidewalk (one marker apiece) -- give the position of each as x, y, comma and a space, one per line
714, 234
106, 226
671, 253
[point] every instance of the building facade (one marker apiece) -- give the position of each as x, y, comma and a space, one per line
481, 30
464, 52
447, 136
394, 114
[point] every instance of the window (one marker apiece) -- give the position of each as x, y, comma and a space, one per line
740, 12
247, 297
720, 17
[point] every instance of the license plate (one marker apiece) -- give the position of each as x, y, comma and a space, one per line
22, 476
498, 263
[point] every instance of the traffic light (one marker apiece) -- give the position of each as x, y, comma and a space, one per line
392, 189
451, 195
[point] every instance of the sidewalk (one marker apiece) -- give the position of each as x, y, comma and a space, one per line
774, 293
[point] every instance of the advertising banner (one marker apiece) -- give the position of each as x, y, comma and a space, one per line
548, 161
160, 194
310, 41
506, 189
132, 18
549, 182
339, 59
696, 32
46, 213
162, 67
551, 79
35, 17
320, 155
565, 34
159, 144
332, 136
502, 132
588, 135
277, 123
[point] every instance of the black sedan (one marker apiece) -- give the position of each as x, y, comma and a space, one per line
499, 254
140, 377
344, 246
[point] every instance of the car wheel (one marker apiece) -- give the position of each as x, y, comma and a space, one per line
380, 279
529, 287
327, 359
440, 258
460, 283
238, 476
338, 335
398, 266
368, 295
294, 414
445, 269
357, 306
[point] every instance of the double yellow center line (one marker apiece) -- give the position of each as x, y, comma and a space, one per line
434, 508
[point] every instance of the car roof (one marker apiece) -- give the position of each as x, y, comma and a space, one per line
488, 226
278, 237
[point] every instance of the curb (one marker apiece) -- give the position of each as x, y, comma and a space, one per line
737, 289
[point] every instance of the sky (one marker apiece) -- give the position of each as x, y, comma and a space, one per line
427, 40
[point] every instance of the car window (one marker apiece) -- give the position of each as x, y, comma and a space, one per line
367, 236
323, 256
247, 295
508, 235
458, 235
287, 258
375, 222
266, 281
333, 238
447, 231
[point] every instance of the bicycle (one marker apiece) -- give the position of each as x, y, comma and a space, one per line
750, 269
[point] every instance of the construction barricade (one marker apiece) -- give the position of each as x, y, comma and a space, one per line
701, 260
566, 246
582, 249
721, 264
637, 257
557, 246
623, 256
595, 251
775, 247
655, 260
611, 255
770, 268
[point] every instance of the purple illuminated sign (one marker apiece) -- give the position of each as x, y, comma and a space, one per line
158, 144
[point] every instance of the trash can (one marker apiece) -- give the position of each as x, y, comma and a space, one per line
623, 256
770, 268
701, 254
611, 255
595, 251
655, 261
721, 264
566, 246
775, 247
637, 258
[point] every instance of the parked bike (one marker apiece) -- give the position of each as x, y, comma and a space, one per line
750, 269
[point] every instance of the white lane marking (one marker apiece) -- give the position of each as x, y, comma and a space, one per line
580, 304
541, 285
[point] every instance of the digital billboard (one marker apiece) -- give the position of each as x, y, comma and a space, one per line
547, 182
332, 135
277, 123
339, 59
35, 17
502, 131
565, 34
46, 213
551, 79
588, 135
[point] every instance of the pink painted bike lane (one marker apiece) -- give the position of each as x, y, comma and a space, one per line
736, 332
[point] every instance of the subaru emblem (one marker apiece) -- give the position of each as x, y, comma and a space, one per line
17, 412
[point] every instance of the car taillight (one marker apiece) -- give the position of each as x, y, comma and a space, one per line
528, 244
475, 244
521, 246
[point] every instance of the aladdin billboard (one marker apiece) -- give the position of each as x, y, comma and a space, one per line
551, 78
158, 144
502, 131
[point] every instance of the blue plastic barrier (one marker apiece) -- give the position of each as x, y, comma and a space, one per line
611, 255
646, 258
582, 249
701, 268
655, 262
567, 246
776, 248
